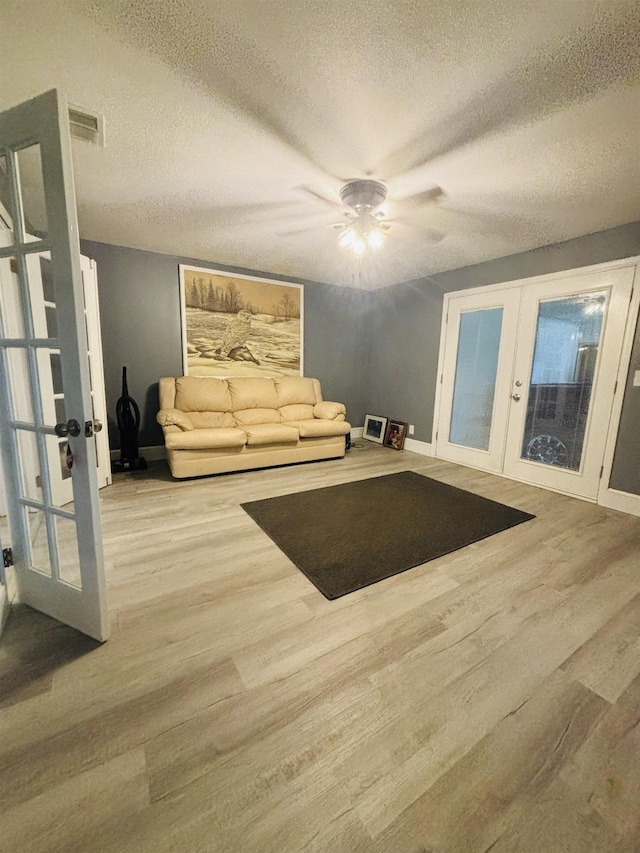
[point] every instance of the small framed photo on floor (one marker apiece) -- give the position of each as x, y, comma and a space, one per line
395, 434
374, 428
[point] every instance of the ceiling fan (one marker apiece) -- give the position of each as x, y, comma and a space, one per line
366, 226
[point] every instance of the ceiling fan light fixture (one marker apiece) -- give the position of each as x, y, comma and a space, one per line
376, 239
366, 229
346, 238
358, 245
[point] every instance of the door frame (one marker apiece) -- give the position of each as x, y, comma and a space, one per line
606, 496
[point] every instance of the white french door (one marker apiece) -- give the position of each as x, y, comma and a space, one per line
56, 544
528, 377
476, 377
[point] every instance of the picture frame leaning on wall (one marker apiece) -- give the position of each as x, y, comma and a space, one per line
395, 434
374, 428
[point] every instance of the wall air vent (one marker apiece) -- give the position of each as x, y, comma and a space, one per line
86, 126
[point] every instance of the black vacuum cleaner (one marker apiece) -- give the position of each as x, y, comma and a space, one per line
128, 418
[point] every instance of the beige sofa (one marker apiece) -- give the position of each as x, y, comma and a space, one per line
213, 426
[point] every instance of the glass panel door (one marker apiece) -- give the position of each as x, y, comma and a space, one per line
479, 345
44, 375
570, 335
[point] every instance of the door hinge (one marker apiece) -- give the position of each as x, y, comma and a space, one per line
38, 481
615, 387
13, 265
601, 472
436, 436
441, 377
7, 557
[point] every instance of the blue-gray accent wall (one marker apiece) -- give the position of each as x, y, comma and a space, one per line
141, 328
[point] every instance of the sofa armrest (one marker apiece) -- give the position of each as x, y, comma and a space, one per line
329, 411
174, 417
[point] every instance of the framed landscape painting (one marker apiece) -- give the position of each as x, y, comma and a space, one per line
239, 325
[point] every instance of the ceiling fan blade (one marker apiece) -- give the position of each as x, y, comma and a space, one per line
423, 197
289, 232
319, 197
544, 82
431, 234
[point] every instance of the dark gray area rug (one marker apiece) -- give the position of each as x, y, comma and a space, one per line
350, 536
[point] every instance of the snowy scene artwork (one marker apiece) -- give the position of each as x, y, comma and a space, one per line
237, 325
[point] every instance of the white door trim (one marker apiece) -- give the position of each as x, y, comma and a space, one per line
606, 495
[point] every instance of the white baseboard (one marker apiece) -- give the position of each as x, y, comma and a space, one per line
152, 454
622, 501
158, 452
421, 447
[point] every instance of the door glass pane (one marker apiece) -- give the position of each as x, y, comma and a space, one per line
18, 369
567, 341
40, 558
475, 380
10, 304
32, 190
31, 479
68, 556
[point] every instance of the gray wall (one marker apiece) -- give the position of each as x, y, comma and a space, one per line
140, 319
405, 336
625, 474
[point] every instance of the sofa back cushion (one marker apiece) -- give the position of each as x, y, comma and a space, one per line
295, 390
251, 417
253, 393
202, 394
299, 412
211, 420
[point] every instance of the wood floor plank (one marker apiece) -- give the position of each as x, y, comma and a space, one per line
610, 660
504, 772
488, 700
72, 815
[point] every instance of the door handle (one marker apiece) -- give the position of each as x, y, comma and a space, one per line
72, 428
515, 397
92, 426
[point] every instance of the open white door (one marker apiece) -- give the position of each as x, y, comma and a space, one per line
57, 546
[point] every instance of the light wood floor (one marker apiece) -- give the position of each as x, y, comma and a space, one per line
486, 701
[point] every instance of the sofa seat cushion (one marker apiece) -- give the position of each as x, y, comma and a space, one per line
252, 393
249, 417
202, 439
259, 434
295, 390
202, 394
320, 428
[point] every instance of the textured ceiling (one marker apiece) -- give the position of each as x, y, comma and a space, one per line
224, 118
